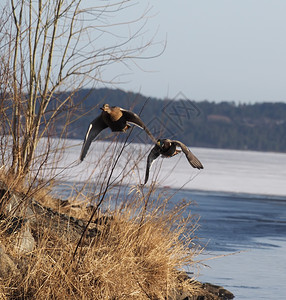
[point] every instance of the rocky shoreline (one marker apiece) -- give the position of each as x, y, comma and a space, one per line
20, 231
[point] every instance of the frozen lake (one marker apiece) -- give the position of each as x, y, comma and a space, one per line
224, 170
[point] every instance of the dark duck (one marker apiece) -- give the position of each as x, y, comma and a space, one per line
168, 148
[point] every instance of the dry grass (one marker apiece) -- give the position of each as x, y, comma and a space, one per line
138, 255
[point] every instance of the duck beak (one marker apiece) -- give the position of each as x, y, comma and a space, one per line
158, 143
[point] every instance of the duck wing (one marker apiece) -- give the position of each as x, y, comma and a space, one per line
154, 153
133, 118
95, 127
193, 160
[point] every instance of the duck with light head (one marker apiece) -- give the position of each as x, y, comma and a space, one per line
117, 119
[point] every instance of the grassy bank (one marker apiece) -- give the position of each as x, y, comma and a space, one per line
133, 253
128, 244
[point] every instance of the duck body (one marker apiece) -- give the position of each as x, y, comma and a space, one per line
168, 148
117, 119
114, 118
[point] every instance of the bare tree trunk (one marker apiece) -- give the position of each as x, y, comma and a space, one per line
16, 162
57, 45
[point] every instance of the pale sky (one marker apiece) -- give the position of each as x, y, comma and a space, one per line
216, 50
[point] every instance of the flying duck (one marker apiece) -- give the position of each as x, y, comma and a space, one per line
117, 119
168, 148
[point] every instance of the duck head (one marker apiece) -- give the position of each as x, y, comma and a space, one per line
105, 107
164, 144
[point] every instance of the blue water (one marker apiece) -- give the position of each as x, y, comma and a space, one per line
232, 222
250, 232
247, 231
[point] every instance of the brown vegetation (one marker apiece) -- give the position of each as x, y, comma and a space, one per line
135, 253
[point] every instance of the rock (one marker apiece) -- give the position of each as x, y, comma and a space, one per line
206, 291
17, 211
62, 225
7, 266
25, 241
218, 291
13, 205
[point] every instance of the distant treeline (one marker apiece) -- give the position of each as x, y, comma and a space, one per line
260, 126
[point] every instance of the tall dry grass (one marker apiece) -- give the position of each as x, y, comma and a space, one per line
139, 253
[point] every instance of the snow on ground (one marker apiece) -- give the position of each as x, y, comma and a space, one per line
224, 170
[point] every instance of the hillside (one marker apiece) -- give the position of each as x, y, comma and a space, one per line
260, 126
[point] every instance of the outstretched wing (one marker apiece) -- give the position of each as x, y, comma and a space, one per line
154, 153
95, 127
133, 118
193, 160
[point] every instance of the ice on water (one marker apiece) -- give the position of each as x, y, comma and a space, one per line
224, 170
